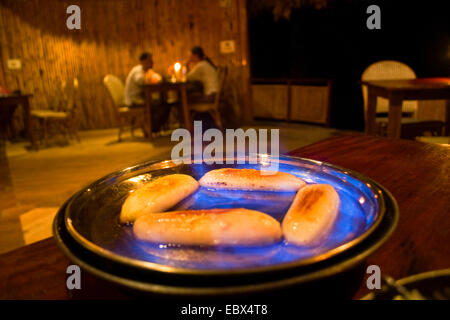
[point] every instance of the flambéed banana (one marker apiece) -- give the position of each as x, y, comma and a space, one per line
208, 227
312, 215
157, 196
250, 179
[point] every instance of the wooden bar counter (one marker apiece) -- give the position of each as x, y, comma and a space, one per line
417, 174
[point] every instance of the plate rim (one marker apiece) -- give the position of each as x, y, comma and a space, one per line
147, 265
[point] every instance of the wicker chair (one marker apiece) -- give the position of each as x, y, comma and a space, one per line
64, 120
388, 70
411, 125
212, 108
116, 90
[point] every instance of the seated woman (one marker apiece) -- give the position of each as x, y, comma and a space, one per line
202, 71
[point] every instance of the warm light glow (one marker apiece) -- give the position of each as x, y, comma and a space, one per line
177, 67
140, 179
167, 164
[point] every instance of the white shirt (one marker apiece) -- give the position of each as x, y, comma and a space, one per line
134, 92
206, 74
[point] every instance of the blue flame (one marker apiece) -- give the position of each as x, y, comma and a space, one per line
358, 211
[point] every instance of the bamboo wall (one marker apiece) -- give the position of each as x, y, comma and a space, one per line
113, 34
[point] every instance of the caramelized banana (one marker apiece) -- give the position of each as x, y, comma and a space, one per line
250, 179
157, 196
208, 227
311, 215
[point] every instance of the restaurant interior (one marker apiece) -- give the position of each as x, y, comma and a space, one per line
95, 95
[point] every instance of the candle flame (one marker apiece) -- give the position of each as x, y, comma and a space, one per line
177, 66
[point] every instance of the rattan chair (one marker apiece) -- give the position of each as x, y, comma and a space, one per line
116, 90
388, 70
213, 107
63, 118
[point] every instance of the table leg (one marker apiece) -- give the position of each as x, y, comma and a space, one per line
29, 124
44, 122
371, 112
148, 113
447, 118
395, 117
184, 107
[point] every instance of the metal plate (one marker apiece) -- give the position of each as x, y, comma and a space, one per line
92, 219
303, 279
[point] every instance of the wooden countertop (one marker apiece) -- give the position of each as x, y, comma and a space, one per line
417, 174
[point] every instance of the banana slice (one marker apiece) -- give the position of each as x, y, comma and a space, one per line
311, 215
250, 179
157, 196
208, 227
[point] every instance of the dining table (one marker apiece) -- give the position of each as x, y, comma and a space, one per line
163, 88
397, 91
12, 100
416, 173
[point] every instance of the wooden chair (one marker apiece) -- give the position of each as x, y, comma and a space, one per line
411, 125
116, 91
64, 120
212, 108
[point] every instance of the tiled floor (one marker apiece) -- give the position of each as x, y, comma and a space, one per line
41, 181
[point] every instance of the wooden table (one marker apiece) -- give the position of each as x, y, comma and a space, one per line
163, 88
23, 100
6, 117
398, 90
417, 174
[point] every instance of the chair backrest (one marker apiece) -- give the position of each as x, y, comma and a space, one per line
116, 89
58, 100
388, 70
72, 103
70, 89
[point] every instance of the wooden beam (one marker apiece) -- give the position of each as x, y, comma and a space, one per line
247, 114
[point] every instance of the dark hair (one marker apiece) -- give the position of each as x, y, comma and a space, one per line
144, 56
197, 50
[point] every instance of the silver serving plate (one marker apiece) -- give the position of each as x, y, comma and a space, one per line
91, 220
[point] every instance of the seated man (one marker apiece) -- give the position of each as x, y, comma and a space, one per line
135, 95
